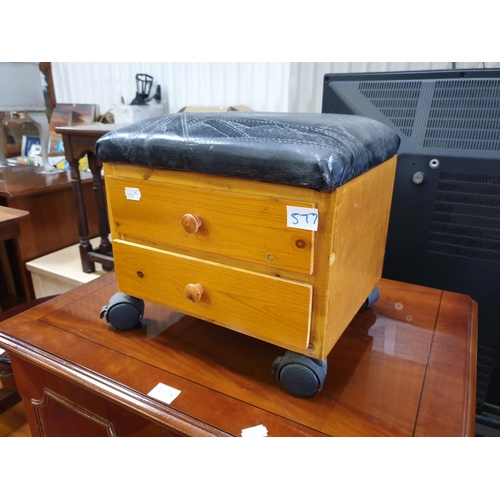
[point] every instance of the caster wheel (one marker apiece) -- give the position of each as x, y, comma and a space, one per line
299, 375
372, 298
123, 311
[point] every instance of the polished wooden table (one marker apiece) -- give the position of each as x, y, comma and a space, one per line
78, 142
406, 367
52, 224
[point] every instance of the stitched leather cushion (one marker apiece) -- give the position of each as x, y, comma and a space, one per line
316, 151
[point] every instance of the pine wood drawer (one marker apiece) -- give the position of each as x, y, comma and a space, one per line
237, 225
266, 307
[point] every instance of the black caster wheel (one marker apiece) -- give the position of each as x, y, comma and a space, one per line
123, 311
299, 375
372, 298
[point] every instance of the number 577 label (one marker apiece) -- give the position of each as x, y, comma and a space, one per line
302, 218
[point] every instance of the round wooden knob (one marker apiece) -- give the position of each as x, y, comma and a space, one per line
191, 223
194, 292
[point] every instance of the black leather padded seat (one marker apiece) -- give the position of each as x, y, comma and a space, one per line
311, 150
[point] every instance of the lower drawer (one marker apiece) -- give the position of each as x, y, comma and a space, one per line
266, 307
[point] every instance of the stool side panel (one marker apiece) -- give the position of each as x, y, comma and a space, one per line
359, 240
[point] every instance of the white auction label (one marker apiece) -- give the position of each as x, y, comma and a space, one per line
302, 218
256, 431
2, 351
164, 393
133, 194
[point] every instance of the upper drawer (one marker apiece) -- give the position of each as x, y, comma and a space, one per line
232, 224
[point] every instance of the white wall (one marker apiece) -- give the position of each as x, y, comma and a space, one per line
261, 86
278, 86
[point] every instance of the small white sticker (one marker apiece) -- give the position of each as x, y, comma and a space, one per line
164, 393
2, 351
302, 218
133, 194
256, 431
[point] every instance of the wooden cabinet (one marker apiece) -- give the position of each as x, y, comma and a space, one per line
59, 408
19, 126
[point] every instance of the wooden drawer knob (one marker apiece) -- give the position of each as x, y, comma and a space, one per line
194, 292
191, 223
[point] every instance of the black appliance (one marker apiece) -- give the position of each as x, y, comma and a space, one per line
143, 83
444, 229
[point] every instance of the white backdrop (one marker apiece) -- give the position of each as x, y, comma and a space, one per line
261, 86
276, 86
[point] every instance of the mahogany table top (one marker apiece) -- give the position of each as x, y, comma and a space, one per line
405, 367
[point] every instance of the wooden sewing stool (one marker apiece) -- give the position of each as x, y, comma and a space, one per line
287, 264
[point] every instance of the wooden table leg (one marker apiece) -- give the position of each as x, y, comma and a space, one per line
96, 168
83, 227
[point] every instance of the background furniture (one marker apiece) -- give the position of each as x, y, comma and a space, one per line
8, 392
406, 367
9, 230
10, 124
21, 90
61, 271
78, 142
9, 218
53, 221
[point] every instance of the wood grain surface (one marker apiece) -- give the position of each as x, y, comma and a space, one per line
266, 307
245, 227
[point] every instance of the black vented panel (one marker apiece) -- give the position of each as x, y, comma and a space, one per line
485, 359
396, 100
466, 217
444, 237
464, 114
